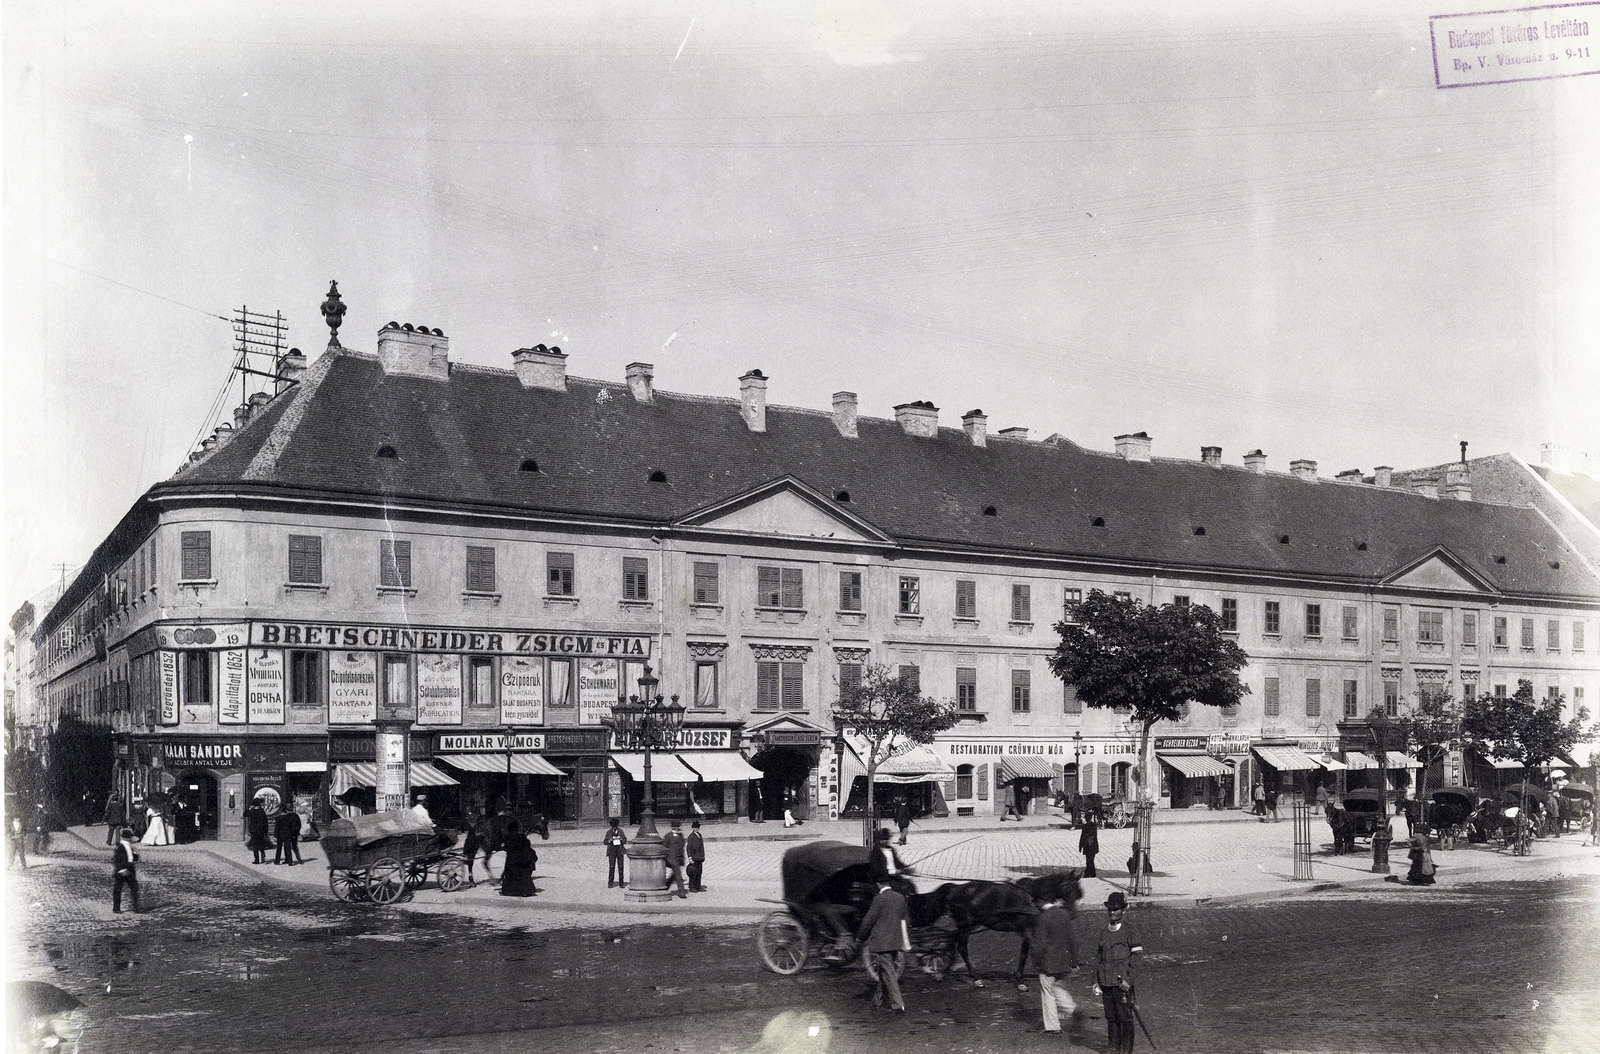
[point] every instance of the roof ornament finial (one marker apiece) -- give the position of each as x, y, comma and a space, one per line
1463, 451
333, 310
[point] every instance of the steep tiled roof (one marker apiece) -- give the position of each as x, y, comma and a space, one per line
1571, 501
461, 442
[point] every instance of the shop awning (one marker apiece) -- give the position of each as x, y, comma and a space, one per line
1356, 761
918, 761
1287, 759
1194, 766
1025, 767
1398, 760
365, 774
721, 766
664, 768
1331, 763
523, 764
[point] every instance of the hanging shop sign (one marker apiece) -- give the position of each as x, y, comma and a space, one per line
487, 742
352, 688
265, 687
439, 689
522, 691
597, 690
367, 637
169, 687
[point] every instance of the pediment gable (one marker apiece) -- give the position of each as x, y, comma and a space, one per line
1439, 569
784, 507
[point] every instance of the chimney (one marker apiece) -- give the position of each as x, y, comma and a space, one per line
541, 367
640, 374
753, 400
844, 413
976, 426
207, 445
1383, 476
1014, 433
1463, 451
1591, 463
1211, 455
241, 414
289, 368
920, 418
223, 433
1427, 486
196, 455
1556, 455
414, 351
1458, 488
1134, 447
1350, 475
1256, 462
1304, 469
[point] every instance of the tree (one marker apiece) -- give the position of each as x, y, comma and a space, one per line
1526, 729
1152, 660
887, 713
1430, 727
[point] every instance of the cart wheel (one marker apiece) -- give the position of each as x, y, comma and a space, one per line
452, 875
416, 874
936, 965
348, 886
386, 881
783, 943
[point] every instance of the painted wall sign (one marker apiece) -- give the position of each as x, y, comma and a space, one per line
522, 691
169, 687
180, 754
230, 687
488, 742
597, 690
265, 687
701, 739
1223, 744
365, 637
232, 635
997, 748
1182, 742
793, 739
575, 741
352, 688
439, 689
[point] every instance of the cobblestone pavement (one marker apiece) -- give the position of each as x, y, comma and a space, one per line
221, 962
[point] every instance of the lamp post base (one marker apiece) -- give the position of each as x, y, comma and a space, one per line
1380, 849
647, 872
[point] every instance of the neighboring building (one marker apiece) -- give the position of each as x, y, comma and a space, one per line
397, 542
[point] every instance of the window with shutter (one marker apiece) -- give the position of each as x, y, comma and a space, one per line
767, 681
794, 686
966, 689
635, 578
849, 590
1501, 635
395, 560
1552, 639
1527, 634
911, 677
197, 677
849, 677
305, 559
1021, 691
1350, 703
983, 782
1391, 624
794, 596
560, 575
1577, 636
1270, 697
196, 556
480, 569
1070, 703
1348, 630
966, 598
1313, 697
1021, 603
1469, 629
769, 588
705, 583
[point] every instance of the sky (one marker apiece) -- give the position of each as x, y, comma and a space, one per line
1249, 225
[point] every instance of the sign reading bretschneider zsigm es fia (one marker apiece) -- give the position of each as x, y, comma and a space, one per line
345, 636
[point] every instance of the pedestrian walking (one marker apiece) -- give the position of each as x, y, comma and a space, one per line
615, 842
696, 849
125, 871
157, 831
1272, 803
676, 857
886, 865
1089, 845
256, 830
1339, 824
116, 815
1055, 955
902, 818
16, 843
887, 936
1075, 803
41, 829
287, 830
1322, 797
1113, 979
516, 873
1421, 873
1258, 797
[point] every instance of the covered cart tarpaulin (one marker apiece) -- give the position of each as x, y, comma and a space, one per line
664, 768
522, 764
720, 766
1287, 759
1025, 767
381, 825
1193, 764
365, 774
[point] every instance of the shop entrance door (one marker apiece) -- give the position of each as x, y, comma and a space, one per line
591, 795
199, 788
786, 781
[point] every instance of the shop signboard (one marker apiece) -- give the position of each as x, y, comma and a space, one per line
266, 686
266, 788
369, 637
522, 691
487, 742
392, 770
352, 688
1182, 742
230, 687
597, 690
697, 739
1227, 744
178, 754
232, 635
575, 741
439, 689
169, 687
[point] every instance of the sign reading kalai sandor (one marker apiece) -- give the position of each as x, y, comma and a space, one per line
374, 637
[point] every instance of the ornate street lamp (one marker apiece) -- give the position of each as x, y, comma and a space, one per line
648, 722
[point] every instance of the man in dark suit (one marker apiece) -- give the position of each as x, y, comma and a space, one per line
287, 828
116, 815
616, 843
124, 864
696, 848
674, 845
888, 937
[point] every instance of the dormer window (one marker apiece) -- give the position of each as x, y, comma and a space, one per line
388, 452
989, 510
1361, 547
528, 465
1283, 539
1499, 559
658, 476
1098, 521
1199, 532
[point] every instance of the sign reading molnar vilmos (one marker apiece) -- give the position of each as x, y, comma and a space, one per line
372, 637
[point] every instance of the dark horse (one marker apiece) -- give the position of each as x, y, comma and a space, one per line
487, 836
1005, 907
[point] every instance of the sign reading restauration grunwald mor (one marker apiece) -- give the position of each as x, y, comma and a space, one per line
373, 637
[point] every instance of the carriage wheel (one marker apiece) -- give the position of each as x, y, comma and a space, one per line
348, 886
452, 875
386, 881
783, 943
416, 874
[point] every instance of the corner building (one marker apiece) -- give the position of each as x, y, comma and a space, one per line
400, 563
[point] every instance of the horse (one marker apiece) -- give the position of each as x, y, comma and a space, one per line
488, 837
1005, 907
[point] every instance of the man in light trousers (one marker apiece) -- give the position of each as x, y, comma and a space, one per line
1055, 954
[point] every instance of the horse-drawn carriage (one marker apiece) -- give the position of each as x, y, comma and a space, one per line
1364, 807
1451, 812
377, 858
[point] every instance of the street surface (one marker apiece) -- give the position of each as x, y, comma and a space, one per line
220, 961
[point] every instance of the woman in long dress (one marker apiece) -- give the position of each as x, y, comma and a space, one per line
157, 831
516, 875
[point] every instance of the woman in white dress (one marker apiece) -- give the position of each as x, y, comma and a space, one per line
159, 831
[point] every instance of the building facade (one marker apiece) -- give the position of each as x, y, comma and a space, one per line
399, 570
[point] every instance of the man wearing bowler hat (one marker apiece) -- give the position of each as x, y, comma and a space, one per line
1113, 978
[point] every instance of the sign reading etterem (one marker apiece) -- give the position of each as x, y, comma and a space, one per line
366, 637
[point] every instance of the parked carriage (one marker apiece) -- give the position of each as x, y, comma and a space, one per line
1364, 807
1452, 809
377, 858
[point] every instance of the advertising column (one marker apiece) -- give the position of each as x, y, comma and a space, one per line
393, 766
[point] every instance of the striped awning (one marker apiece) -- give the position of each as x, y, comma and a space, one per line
1194, 766
720, 766
1331, 763
1397, 760
918, 761
1025, 767
664, 768
365, 774
1355, 760
1287, 759
521, 764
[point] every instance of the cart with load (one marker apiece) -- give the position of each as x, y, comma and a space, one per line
378, 858
827, 889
